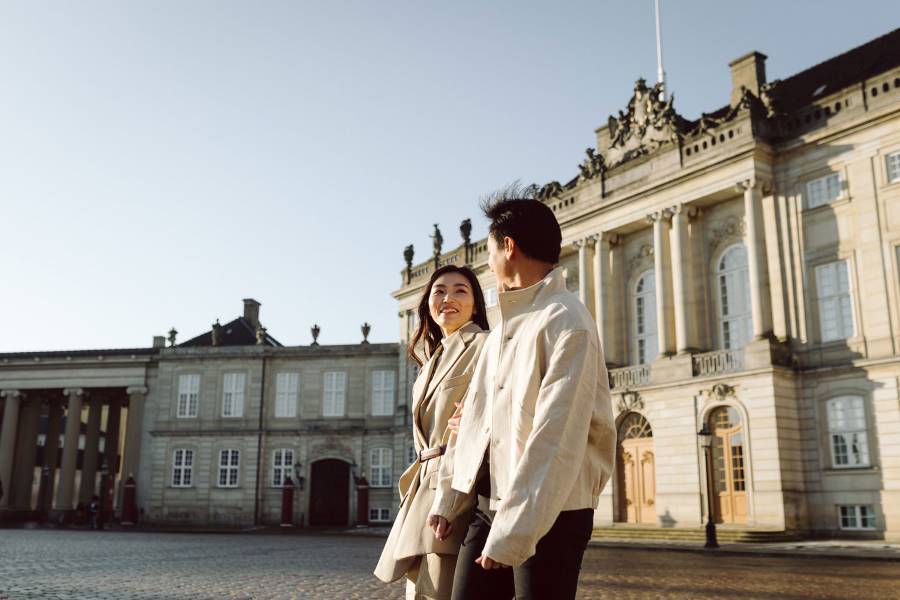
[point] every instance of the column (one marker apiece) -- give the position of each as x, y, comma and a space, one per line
65, 493
8, 441
755, 245
89, 459
111, 450
582, 246
616, 302
680, 289
51, 454
26, 451
133, 431
601, 277
658, 219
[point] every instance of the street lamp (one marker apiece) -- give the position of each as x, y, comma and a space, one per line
298, 475
706, 436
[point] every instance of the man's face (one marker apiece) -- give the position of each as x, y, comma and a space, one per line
498, 262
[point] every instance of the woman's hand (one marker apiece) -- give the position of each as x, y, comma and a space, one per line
441, 527
487, 563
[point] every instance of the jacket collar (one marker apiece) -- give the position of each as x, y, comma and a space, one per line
518, 302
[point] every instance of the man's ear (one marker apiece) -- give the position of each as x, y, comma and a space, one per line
509, 247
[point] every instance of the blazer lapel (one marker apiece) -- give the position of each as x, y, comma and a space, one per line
452, 354
419, 388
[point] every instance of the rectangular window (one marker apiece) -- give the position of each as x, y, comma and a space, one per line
823, 190
286, 394
334, 394
182, 467
229, 468
490, 297
383, 383
379, 515
380, 467
835, 307
233, 394
857, 516
282, 466
893, 167
411, 455
847, 432
188, 395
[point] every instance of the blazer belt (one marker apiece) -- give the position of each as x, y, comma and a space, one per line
429, 453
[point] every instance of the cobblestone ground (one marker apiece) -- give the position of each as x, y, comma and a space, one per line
74, 565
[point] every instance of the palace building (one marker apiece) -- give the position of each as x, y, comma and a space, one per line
743, 271
209, 429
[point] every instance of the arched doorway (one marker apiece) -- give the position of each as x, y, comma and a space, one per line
637, 472
329, 492
729, 470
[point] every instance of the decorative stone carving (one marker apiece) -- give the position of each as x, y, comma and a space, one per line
648, 124
551, 190
719, 392
592, 166
315, 330
366, 328
731, 229
438, 240
260, 335
644, 253
465, 230
630, 401
172, 333
331, 448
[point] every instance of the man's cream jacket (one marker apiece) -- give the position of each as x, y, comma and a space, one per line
539, 399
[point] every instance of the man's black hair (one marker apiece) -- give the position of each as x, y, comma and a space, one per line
514, 212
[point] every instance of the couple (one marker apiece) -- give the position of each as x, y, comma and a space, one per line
513, 429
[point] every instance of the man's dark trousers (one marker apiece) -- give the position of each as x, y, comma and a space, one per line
551, 574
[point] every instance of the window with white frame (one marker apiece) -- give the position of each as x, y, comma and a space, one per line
383, 385
893, 167
823, 190
188, 395
735, 315
282, 466
182, 467
847, 432
379, 515
287, 386
380, 467
229, 467
334, 394
835, 306
233, 394
411, 455
490, 297
857, 516
644, 318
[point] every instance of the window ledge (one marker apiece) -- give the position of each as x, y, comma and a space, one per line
851, 470
841, 201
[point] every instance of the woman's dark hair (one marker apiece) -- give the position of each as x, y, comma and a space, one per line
515, 213
428, 331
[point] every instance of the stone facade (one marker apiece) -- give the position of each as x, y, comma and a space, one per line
743, 271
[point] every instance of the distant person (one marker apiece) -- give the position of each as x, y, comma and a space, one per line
94, 512
452, 329
536, 439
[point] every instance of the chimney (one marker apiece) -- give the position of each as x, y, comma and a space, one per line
251, 312
216, 333
159, 341
748, 71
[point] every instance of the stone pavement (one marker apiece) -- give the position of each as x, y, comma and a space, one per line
109, 565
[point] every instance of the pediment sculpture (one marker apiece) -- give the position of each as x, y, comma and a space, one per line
649, 123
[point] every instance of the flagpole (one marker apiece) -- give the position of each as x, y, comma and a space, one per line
660, 73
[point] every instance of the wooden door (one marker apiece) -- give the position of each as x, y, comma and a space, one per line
329, 493
729, 469
637, 472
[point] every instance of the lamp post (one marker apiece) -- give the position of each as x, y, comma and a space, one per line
298, 475
104, 484
706, 436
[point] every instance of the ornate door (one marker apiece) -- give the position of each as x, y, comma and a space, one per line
729, 472
329, 493
637, 472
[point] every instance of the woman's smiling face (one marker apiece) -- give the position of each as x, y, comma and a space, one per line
451, 302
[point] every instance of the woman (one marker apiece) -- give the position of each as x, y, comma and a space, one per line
452, 329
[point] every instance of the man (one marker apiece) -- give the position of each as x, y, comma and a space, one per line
536, 439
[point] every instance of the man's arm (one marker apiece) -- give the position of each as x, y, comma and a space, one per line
553, 453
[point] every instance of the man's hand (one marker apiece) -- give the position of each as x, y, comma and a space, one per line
441, 527
488, 564
453, 422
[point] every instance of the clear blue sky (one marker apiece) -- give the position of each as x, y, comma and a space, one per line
160, 161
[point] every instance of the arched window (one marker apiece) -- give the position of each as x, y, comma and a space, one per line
634, 426
733, 282
644, 329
